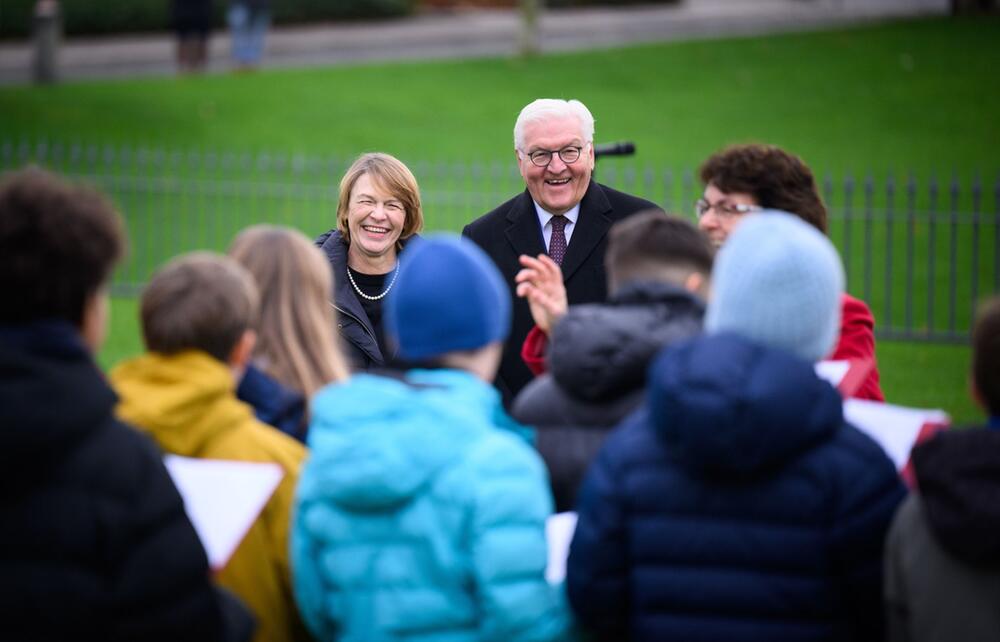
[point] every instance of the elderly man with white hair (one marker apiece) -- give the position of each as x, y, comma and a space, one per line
563, 216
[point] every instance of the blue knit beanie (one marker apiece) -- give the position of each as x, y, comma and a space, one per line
448, 297
778, 281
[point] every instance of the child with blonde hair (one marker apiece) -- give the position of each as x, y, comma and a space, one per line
296, 351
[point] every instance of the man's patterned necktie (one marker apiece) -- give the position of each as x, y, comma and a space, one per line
557, 244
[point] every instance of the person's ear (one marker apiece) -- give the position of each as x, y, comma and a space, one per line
94, 322
240, 355
697, 283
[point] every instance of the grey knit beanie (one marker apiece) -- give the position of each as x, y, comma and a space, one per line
778, 281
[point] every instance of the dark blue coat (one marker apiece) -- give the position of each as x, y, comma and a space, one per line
735, 504
273, 403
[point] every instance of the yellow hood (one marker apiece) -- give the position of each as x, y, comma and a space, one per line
183, 400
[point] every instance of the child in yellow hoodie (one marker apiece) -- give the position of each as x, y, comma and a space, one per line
198, 314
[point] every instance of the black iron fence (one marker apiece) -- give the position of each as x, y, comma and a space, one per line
921, 250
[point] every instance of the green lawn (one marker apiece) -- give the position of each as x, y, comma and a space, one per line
928, 376
914, 96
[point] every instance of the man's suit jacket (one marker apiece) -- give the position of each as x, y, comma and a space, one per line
512, 229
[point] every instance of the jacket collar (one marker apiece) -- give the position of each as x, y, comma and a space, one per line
644, 292
51, 392
333, 246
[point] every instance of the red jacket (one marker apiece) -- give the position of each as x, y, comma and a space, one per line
857, 341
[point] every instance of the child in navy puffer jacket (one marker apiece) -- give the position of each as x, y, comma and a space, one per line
737, 504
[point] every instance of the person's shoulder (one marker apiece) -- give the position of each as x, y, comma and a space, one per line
910, 516
335, 403
331, 243
852, 449
500, 450
113, 462
634, 440
327, 237
855, 468
501, 465
279, 447
120, 467
908, 536
541, 402
854, 309
255, 441
126, 449
496, 216
272, 401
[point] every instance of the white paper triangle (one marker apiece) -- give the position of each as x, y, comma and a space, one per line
222, 499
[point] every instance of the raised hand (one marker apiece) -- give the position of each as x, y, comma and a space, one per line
540, 282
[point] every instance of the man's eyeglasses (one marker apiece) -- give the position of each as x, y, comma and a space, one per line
702, 207
568, 155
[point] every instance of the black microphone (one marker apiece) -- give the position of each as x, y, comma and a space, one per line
624, 148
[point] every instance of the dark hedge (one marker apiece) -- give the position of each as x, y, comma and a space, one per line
123, 16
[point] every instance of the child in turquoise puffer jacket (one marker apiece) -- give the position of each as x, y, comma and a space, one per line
421, 513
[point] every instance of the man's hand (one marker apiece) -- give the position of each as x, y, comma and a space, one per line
540, 282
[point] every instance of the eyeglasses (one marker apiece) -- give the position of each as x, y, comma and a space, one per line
702, 207
568, 155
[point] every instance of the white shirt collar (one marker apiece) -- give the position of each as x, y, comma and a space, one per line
544, 217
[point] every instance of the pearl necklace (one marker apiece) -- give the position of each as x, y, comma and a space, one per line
361, 294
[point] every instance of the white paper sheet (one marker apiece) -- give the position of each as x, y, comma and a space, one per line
559, 530
895, 428
832, 371
222, 499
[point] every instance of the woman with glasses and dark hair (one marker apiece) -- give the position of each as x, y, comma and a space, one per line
378, 212
743, 179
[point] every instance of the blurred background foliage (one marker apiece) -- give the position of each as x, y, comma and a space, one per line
86, 17
94, 17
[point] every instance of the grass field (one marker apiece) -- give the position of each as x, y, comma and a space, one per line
912, 96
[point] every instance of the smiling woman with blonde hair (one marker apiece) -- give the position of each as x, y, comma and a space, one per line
296, 351
378, 212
